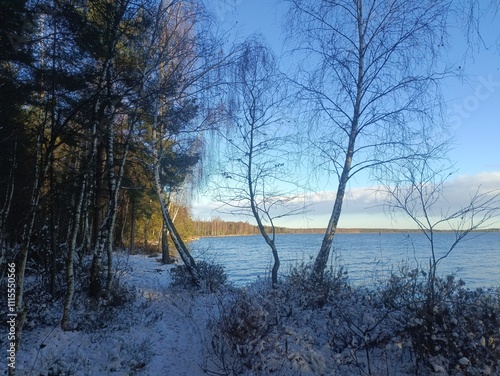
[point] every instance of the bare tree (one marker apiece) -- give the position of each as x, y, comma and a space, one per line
417, 188
419, 191
368, 71
256, 172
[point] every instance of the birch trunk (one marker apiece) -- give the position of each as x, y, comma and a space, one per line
116, 196
321, 261
41, 169
255, 211
70, 277
105, 227
105, 236
165, 253
177, 240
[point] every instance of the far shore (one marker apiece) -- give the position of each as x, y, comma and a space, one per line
302, 231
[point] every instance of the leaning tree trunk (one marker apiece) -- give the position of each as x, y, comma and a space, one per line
176, 238
321, 260
324, 253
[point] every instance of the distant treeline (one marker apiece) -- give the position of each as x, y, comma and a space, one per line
219, 227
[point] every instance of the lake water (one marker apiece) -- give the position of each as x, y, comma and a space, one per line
368, 257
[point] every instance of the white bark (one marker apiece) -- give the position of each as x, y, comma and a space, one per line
179, 244
70, 276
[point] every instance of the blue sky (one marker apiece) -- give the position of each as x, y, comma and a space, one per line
473, 113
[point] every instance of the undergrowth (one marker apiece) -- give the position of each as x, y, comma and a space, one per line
213, 276
401, 327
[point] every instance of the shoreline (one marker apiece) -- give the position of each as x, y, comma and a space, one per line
300, 231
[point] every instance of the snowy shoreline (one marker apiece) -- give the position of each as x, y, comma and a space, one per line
153, 328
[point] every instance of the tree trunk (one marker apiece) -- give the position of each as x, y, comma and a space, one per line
105, 238
98, 192
40, 173
132, 226
324, 253
105, 227
321, 260
181, 248
53, 236
123, 223
70, 277
165, 254
179, 244
109, 258
270, 241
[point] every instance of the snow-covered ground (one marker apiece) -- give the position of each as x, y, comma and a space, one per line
149, 327
160, 332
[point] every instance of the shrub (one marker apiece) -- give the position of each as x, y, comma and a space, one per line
239, 334
102, 312
273, 330
311, 292
448, 326
406, 327
213, 276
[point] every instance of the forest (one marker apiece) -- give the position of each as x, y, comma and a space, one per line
114, 113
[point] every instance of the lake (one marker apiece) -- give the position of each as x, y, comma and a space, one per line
368, 257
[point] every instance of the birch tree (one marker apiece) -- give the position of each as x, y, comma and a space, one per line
256, 173
70, 276
417, 189
368, 73
181, 58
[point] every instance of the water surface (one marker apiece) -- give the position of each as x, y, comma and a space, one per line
368, 257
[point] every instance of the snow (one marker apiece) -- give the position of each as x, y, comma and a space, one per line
160, 329
161, 332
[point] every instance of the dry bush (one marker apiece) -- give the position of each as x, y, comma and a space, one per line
311, 292
449, 327
213, 277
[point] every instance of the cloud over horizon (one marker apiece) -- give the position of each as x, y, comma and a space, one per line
364, 206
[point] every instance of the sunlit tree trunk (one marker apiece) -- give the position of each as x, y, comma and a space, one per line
164, 203
165, 254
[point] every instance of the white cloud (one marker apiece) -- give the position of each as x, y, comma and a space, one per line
364, 206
